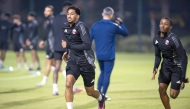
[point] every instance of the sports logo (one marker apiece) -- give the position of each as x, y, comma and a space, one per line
74, 31
92, 81
156, 42
167, 42
65, 31
178, 82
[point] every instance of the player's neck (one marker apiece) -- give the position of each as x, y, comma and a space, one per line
71, 24
106, 18
162, 34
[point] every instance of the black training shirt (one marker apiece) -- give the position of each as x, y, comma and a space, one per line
58, 23
172, 51
33, 30
78, 43
48, 28
18, 32
5, 27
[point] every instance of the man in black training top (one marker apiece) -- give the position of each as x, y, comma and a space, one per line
32, 40
18, 35
58, 23
5, 26
173, 68
80, 58
49, 38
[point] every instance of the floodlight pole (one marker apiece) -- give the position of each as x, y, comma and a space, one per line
139, 26
31, 5
85, 12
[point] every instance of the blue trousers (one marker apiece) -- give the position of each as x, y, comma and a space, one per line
106, 67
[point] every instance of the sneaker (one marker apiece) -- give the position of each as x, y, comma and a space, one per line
77, 91
102, 103
55, 93
30, 69
38, 69
40, 84
107, 98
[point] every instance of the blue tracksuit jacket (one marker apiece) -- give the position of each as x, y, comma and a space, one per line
103, 33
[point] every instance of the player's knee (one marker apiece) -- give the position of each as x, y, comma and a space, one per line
89, 93
69, 85
174, 96
57, 69
162, 90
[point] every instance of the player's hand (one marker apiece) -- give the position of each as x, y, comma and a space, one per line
154, 74
182, 86
41, 44
186, 80
183, 83
64, 44
118, 20
65, 56
28, 43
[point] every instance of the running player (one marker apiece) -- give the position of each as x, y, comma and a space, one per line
58, 23
48, 13
5, 26
18, 32
103, 33
173, 67
81, 58
32, 39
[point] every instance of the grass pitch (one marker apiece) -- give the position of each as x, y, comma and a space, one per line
130, 88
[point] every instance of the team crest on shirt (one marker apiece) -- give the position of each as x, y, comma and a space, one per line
156, 42
65, 31
74, 31
167, 42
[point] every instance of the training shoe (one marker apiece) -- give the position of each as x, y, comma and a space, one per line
40, 84
77, 91
102, 103
55, 93
107, 98
30, 69
38, 69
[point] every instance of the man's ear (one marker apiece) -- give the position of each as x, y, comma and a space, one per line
102, 14
111, 16
78, 16
170, 27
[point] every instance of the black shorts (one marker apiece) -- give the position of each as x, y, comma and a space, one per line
87, 72
49, 54
18, 48
33, 46
170, 74
4, 46
58, 55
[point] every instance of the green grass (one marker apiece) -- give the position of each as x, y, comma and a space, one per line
131, 87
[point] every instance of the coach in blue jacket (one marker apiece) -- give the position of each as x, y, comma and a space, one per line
103, 33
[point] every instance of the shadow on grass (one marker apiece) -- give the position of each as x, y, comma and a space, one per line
131, 91
17, 90
24, 102
87, 105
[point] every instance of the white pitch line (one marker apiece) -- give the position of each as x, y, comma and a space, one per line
18, 78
